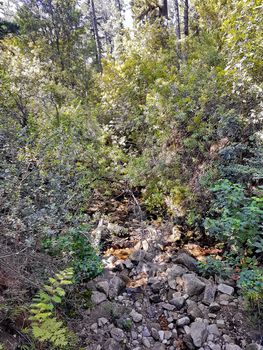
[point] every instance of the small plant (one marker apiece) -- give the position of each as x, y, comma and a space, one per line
45, 325
211, 266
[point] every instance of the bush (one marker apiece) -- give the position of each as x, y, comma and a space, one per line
235, 217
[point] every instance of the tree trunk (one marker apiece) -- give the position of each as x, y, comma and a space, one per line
177, 20
186, 17
96, 33
164, 9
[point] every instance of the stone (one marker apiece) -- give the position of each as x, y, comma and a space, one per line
128, 264
184, 321
209, 294
146, 342
225, 289
158, 346
178, 302
137, 256
116, 285
117, 334
188, 261
102, 321
161, 335
199, 333
103, 287
220, 323
98, 297
193, 285
146, 332
168, 306
155, 333
175, 271
232, 347
194, 312
168, 335
188, 341
253, 346
156, 286
213, 346
213, 329
112, 344
136, 317
172, 284
214, 307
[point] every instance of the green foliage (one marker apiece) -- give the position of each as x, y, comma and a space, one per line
237, 217
45, 325
82, 255
212, 266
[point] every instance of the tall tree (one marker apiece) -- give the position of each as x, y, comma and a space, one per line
186, 17
177, 20
96, 33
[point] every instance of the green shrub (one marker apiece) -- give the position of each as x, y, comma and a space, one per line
212, 266
235, 217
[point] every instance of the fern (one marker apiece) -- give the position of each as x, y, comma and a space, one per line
45, 326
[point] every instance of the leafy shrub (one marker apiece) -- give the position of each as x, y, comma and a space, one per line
45, 325
236, 218
212, 266
83, 256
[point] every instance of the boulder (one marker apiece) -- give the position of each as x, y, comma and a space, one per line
98, 297
193, 285
116, 285
188, 261
199, 333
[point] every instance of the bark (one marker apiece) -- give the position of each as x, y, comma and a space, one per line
186, 17
177, 20
96, 33
164, 9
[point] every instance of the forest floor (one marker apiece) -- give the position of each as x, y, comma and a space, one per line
150, 295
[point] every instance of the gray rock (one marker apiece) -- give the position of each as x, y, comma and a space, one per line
146, 342
175, 271
220, 323
209, 294
213, 346
199, 333
214, 307
232, 347
112, 344
116, 285
184, 321
168, 306
254, 346
156, 286
155, 333
137, 256
103, 287
187, 261
128, 264
225, 289
117, 334
194, 312
136, 317
193, 285
98, 297
161, 335
158, 346
102, 321
213, 329
178, 302
188, 341
168, 335
146, 332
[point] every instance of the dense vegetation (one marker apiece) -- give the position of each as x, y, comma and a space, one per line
89, 110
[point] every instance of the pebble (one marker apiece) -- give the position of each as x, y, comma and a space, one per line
183, 321
136, 317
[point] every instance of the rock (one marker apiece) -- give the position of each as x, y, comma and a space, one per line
187, 261
168, 306
253, 346
137, 256
175, 271
194, 312
178, 302
155, 298
102, 321
136, 317
184, 321
155, 333
188, 341
158, 346
117, 334
146, 342
98, 297
168, 335
146, 332
225, 289
199, 333
232, 347
220, 323
128, 264
103, 287
209, 294
116, 285
214, 307
161, 335
156, 286
112, 344
172, 284
145, 245
213, 329
193, 285
213, 346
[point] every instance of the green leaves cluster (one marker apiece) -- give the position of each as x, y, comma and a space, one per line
235, 217
46, 327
